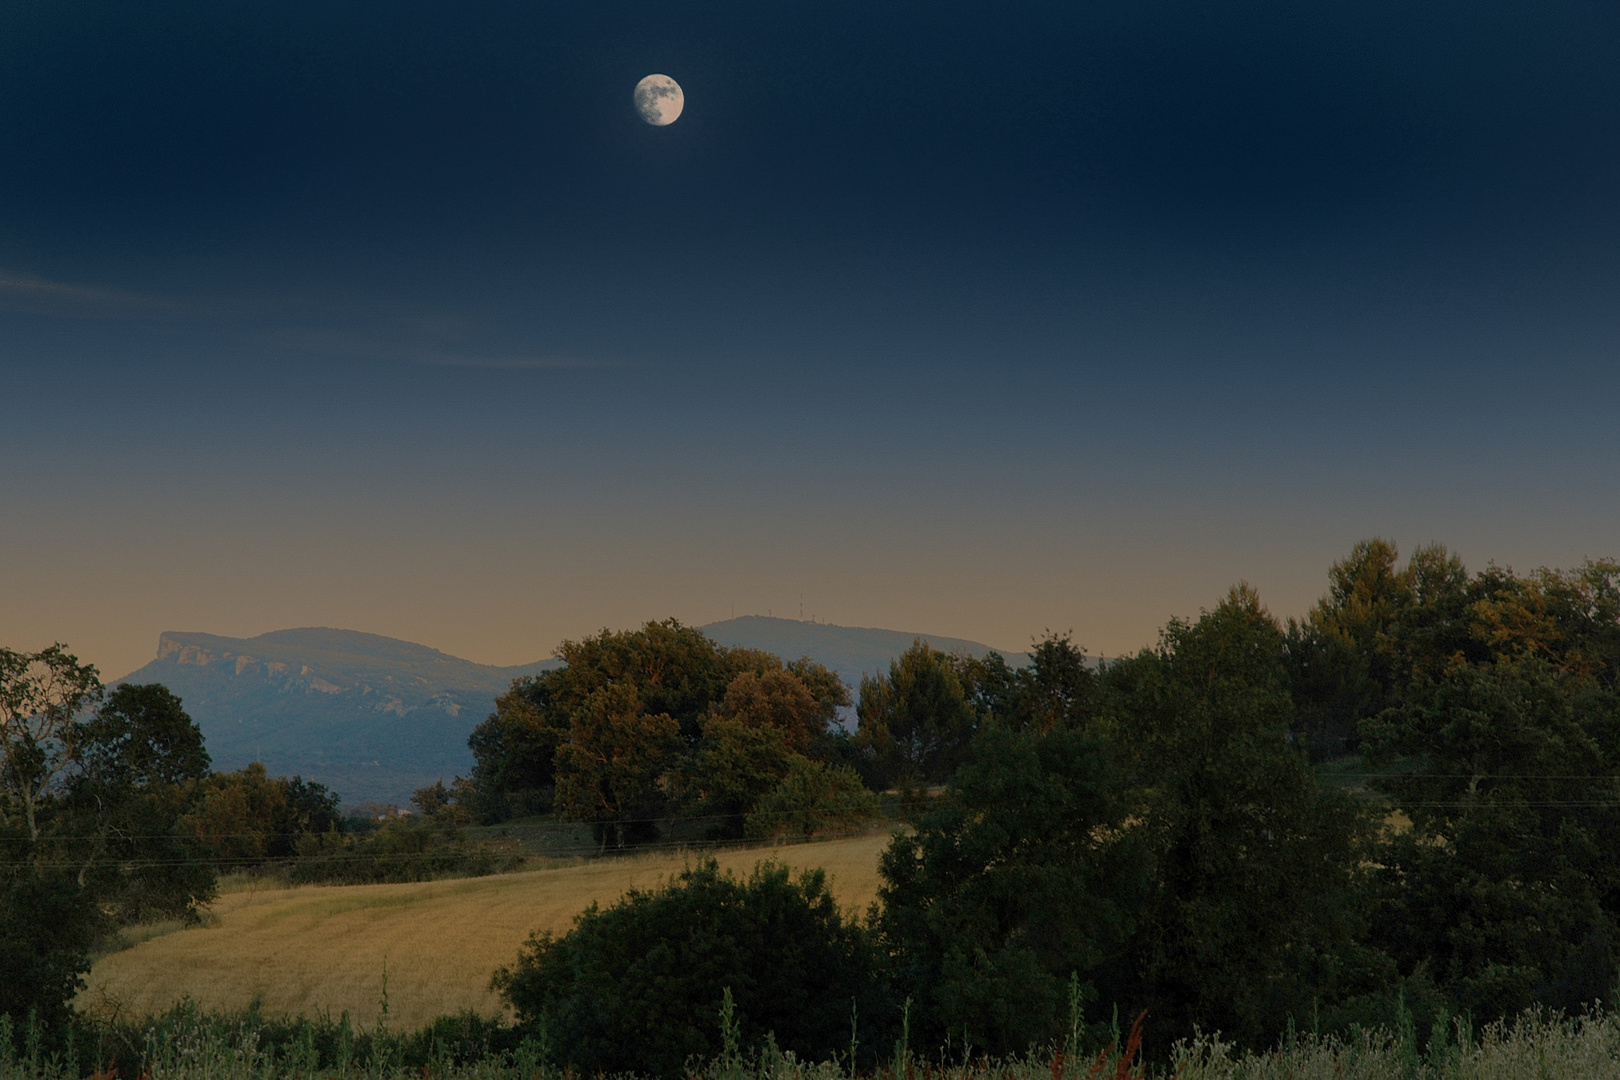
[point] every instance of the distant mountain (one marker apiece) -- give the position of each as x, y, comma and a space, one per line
852, 651
371, 717
375, 718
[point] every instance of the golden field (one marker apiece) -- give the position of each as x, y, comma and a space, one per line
311, 949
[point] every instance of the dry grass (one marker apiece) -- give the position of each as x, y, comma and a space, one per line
323, 948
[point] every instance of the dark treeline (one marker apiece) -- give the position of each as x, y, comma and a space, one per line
1401, 808
1405, 804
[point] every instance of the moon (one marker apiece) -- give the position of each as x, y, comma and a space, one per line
659, 100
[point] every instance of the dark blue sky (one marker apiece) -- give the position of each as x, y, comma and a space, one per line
965, 319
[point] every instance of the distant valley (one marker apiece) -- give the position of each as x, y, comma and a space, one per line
374, 718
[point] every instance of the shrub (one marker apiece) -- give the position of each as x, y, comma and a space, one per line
639, 986
813, 799
400, 850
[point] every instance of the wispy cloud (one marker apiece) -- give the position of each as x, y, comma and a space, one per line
34, 295
322, 327
515, 362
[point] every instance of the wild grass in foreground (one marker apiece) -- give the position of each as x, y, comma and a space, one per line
188, 1044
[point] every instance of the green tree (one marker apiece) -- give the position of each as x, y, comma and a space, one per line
1254, 912
1030, 872
514, 752
638, 986
674, 671
916, 723
611, 761
1504, 889
249, 817
736, 764
1056, 690
43, 699
140, 770
813, 799
89, 800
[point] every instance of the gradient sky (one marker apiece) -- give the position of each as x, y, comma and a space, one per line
962, 318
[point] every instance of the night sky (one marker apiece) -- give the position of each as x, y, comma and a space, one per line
967, 319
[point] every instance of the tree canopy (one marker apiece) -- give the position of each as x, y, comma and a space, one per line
642, 727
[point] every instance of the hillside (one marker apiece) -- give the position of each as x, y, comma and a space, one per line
371, 717
852, 651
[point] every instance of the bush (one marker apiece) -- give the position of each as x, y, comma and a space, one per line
48, 925
813, 799
639, 986
399, 850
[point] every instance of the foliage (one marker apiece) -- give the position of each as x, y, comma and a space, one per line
48, 925
641, 725
446, 805
737, 764
1487, 706
43, 697
1058, 690
248, 817
916, 722
639, 985
813, 800
89, 802
140, 767
1253, 910
1505, 888
1029, 873
611, 761
401, 849
187, 1044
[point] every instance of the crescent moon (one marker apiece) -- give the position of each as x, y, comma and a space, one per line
659, 100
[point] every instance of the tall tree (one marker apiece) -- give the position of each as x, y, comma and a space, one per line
610, 763
140, 771
1031, 871
528, 752
916, 722
1504, 889
89, 802
43, 700
1254, 911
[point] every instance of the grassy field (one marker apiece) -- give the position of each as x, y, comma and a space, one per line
323, 948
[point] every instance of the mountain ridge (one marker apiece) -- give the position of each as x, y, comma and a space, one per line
375, 717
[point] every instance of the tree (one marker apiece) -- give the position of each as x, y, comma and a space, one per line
48, 925
88, 807
775, 699
1031, 872
1255, 909
736, 764
639, 986
142, 738
813, 799
610, 763
674, 671
42, 731
514, 752
140, 771
1504, 889
1057, 689
248, 817
916, 722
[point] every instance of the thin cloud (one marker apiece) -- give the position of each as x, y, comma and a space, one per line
517, 362
34, 295
426, 341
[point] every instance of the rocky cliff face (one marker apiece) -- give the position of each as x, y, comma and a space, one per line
372, 717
